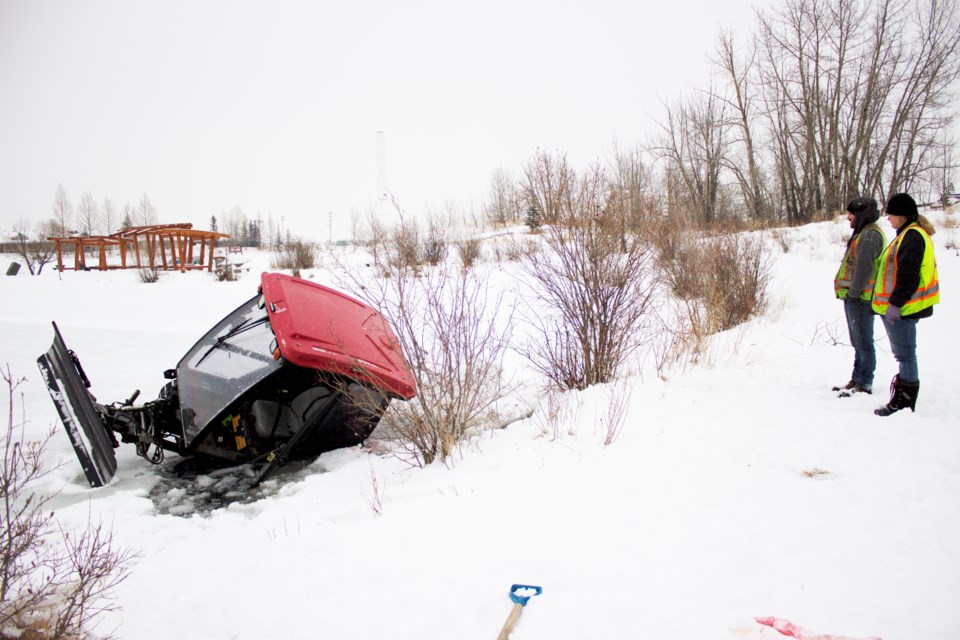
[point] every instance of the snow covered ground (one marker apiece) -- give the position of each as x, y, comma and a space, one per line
740, 487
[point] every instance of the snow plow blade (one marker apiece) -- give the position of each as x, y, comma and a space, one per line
68, 385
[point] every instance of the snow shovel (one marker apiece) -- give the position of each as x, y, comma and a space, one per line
519, 594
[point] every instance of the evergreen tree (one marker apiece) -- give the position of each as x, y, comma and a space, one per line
533, 219
253, 236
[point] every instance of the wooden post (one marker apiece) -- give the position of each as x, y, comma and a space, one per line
77, 254
56, 241
210, 257
182, 249
150, 246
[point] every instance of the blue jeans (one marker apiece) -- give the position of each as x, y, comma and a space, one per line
860, 325
903, 342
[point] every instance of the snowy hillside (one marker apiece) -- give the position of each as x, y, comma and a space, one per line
740, 487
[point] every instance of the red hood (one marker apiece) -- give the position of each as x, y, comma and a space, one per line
320, 328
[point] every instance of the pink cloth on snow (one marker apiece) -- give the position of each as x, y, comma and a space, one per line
787, 628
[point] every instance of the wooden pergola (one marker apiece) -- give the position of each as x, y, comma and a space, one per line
167, 246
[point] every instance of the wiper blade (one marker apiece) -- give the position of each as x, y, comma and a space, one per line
240, 328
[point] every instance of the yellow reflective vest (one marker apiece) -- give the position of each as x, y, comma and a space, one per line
841, 282
927, 293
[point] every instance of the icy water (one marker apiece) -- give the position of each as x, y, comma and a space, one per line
185, 491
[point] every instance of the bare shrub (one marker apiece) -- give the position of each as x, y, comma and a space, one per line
782, 238
949, 225
678, 253
618, 404
731, 275
828, 333
519, 250
148, 275
676, 343
35, 250
53, 583
665, 236
454, 334
558, 409
295, 255
593, 288
738, 273
469, 251
434, 251
405, 251
378, 239
374, 494
435, 245
720, 282
225, 272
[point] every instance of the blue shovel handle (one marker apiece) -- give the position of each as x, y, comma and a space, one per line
520, 593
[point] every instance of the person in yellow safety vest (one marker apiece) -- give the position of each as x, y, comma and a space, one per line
854, 285
905, 290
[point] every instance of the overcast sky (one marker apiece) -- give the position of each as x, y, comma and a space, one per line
274, 107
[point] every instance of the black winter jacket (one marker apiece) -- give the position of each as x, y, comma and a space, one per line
909, 258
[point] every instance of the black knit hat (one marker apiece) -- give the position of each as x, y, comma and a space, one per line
902, 204
864, 211
864, 207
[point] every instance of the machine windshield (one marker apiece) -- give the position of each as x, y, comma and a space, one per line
224, 364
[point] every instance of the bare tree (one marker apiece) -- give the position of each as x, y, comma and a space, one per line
632, 181
110, 217
234, 222
34, 248
88, 214
502, 206
377, 238
857, 95
942, 184
694, 144
62, 211
745, 166
356, 227
146, 213
923, 90
548, 183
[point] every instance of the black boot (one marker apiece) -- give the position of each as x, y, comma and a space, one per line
846, 387
903, 395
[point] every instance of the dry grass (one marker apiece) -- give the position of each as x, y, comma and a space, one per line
469, 251
721, 282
